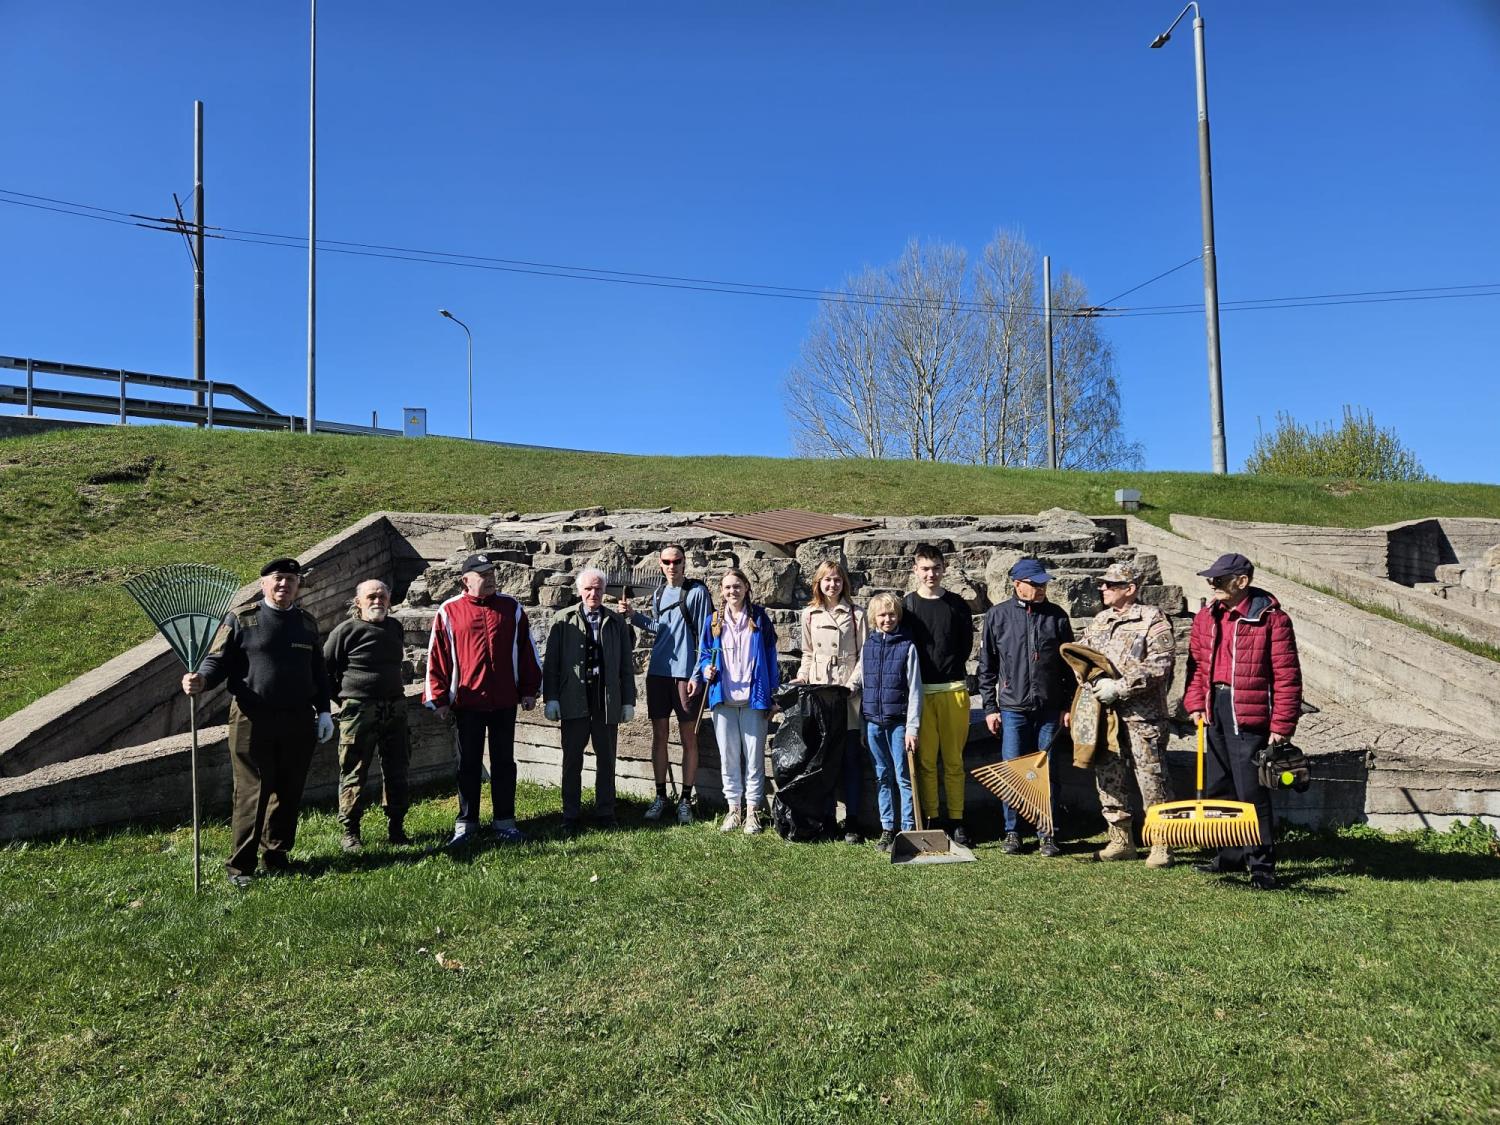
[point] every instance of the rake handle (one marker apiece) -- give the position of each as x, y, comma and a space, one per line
1200, 758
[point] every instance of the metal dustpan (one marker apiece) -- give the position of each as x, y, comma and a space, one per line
925, 845
1211, 823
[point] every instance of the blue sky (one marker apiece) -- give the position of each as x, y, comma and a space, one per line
1356, 148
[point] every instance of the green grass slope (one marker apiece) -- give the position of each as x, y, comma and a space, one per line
81, 510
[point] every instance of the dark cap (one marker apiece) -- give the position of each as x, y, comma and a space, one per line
281, 566
1228, 564
1029, 570
477, 564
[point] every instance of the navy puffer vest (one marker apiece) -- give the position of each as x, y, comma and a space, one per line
883, 701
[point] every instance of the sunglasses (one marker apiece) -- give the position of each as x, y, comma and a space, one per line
1114, 585
671, 562
1223, 582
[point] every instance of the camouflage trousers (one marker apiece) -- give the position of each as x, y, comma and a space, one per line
1147, 759
368, 727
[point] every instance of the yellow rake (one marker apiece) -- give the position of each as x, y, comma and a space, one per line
1023, 783
1200, 823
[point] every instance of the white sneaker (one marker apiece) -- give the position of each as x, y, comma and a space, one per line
753, 826
731, 821
658, 807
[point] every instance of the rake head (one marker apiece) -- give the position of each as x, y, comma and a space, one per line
186, 602
1025, 784
1202, 824
641, 578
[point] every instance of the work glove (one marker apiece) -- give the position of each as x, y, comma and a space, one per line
553, 710
627, 712
1107, 691
325, 726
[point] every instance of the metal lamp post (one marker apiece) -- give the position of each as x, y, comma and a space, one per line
470, 335
1210, 266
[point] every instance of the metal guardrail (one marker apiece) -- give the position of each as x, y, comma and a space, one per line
257, 416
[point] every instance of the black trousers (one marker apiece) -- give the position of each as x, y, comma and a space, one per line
268, 756
1228, 771
472, 726
577, 734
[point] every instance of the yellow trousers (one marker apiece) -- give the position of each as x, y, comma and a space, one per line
943, 733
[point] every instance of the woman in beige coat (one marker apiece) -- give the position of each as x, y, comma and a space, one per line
833, 638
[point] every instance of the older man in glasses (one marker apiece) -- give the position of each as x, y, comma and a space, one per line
1138, 641
1245, 684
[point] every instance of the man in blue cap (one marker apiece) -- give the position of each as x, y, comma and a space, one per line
1024, 682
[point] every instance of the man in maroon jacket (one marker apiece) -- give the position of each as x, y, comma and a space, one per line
1245, 682
481, 663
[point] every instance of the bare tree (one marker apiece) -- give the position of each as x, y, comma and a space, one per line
1005, 363
926, 349
1089, 434
836, 395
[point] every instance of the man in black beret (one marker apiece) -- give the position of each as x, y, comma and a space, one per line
274, 666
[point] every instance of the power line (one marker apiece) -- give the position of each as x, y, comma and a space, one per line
733, 288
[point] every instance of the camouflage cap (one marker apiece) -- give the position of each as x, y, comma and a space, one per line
1122, 572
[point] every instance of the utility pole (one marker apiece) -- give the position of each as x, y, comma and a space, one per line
200, 351
312, 221
1051, 390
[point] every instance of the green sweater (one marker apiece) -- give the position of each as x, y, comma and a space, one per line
364, 658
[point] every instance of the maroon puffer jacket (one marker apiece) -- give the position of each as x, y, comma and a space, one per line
1265, 678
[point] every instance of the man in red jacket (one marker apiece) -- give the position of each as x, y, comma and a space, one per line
481, 663
1245, 682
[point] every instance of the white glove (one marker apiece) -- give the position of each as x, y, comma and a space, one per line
1107, 690
553, 710
325, 726
627, 712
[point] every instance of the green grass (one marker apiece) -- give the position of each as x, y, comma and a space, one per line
67, 539
670, 974
1458, 640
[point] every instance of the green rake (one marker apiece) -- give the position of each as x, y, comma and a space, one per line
1200, 823
187, 602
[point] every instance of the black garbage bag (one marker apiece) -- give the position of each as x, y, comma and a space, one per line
807, 760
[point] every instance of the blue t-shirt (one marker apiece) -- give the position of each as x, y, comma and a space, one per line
675, 650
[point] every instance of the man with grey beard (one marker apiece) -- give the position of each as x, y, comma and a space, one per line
364, 654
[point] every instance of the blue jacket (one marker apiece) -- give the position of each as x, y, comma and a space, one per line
765, 672
892, 676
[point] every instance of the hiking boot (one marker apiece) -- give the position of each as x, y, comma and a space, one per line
961, 837
685, 811
732, 821
658, 807
396, 834
753, 826
1161, 856
887, 839
1047, 846
508, 833
350, 842
1120, 845
1011, 845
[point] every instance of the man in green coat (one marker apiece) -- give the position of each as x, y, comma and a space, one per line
588, 682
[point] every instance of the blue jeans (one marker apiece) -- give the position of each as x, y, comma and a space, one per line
1025, 732
888, 752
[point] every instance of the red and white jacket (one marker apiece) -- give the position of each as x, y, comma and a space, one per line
480, 656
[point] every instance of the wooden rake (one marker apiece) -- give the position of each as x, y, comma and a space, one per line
1202, 824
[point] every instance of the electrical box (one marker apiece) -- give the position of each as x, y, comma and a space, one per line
1129, 499
414, 421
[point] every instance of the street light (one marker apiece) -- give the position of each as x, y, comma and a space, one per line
1210, 266
470, 335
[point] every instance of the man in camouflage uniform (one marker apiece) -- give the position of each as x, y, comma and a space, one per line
1138, 640
364, 654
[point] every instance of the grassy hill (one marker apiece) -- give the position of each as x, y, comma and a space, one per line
674, 974
81, 510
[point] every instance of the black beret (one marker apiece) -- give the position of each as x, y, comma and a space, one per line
281, 566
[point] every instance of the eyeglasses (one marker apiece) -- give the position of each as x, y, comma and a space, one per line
671, 562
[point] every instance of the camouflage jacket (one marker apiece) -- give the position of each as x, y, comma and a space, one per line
1140, 642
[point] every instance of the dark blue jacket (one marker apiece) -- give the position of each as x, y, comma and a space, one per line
892, 689
1020, 667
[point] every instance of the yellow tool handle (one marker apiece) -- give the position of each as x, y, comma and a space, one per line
1200, 759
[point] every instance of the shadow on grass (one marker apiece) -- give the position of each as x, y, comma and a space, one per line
1396, 859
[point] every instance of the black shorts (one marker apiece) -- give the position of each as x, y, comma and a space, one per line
667, 696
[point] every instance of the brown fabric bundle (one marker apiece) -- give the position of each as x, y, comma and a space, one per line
1095, 728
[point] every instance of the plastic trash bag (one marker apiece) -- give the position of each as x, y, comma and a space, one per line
807, 758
